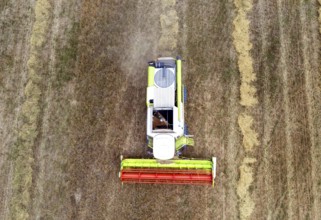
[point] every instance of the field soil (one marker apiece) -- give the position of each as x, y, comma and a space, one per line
73, 78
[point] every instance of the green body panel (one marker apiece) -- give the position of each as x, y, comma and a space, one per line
150, 81
151, 71
183, 141
175, 164
179, 87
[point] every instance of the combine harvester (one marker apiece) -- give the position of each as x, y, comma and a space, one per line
167, 133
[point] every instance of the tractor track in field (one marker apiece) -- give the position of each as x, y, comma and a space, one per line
28, 132
297, 106
230, 154
268, 123
289, 145
311, 66
304, 130
41, 158
270, 183
271, 192
14, 54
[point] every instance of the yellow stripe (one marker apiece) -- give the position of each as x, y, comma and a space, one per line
179, 86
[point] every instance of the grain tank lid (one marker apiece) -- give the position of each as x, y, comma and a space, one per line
164, 90
164, 146
164, 97
164, 77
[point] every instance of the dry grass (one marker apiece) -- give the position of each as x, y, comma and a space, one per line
27, 133
246, 178
243, 46
250, 137
241, 39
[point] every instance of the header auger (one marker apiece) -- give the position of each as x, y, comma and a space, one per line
167, 133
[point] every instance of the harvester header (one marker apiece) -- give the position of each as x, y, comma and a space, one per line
167, 133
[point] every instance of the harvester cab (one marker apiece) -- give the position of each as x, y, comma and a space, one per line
167, 133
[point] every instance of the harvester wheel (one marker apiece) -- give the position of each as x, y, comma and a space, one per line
185, 129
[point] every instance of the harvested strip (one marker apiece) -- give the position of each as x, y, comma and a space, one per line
250, 137
241, 39
246, 178
30, 113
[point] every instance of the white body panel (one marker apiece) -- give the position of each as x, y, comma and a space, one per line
164, 96
164, 146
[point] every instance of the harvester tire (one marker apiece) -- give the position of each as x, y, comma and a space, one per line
185, 129
185, 94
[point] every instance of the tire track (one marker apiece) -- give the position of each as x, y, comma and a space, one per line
299, 124
230, 155
40, 156
14, 52
289, 145
310, 62
267, 120
298, 149
270, 180
30, 115
51, 194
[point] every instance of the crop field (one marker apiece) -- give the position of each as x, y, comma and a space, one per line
73, 77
